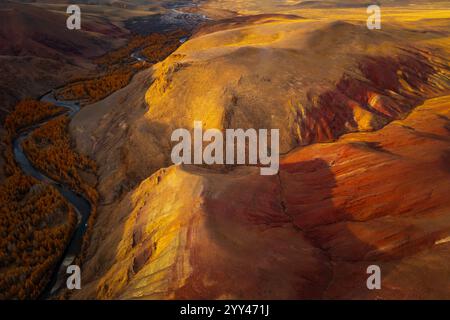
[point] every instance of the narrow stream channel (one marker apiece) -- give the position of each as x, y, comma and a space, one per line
81, 205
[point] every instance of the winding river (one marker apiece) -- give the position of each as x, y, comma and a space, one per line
81, 205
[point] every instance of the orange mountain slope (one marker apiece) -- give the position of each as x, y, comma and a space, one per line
310, 232
364, 119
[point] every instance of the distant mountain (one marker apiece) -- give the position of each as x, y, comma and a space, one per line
38, 52
30, 30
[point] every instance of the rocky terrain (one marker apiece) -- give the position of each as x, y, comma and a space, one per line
310, 232
364, 129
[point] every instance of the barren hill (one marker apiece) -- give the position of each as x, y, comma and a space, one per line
30, 30
314, 80
369, 198
364, 122
38, 52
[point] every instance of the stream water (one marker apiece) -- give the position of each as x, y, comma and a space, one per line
79, 203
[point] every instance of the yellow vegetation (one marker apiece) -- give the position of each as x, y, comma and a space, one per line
35, 220
156, 46
92, 90
118, 67
49, 149
35, 226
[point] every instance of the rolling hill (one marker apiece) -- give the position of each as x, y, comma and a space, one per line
364, 128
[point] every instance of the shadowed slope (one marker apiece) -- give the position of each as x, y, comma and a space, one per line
363, 198
369, 198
